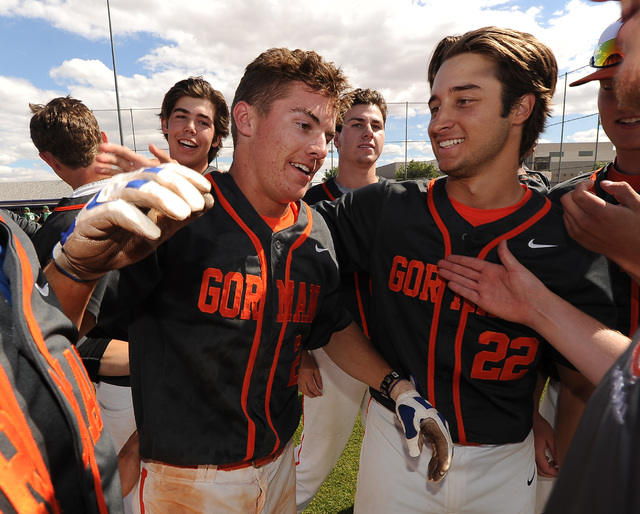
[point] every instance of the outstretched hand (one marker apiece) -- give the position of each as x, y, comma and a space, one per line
130, 217
422, 422
507, 290
120, 159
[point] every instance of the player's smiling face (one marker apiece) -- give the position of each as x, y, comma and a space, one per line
361, 139
467, 132
190, 132
288, 146
621, 123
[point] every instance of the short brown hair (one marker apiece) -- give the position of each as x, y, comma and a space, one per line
363, 97
197, 87
523, 64
67, 129
269, 78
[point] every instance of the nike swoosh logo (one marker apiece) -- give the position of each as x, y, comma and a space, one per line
536, 245
529, 482
319, 249
44, 290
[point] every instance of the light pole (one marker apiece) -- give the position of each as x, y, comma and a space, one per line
115, 74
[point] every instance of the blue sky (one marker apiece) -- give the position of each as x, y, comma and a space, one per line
61, 47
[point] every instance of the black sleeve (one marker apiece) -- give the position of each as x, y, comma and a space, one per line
91, 350
353, 221
27, 226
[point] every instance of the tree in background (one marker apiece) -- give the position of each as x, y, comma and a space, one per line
331, 172
417, 169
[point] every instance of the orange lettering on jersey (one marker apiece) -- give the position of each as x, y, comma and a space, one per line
57, 374
88, 396
285, 300
301, 305
209, 295
252, 295
24, 478
233, 287
295, 367
229, 293
306, 302
398, 270
432, 283
413, 278
497, 364
314, 293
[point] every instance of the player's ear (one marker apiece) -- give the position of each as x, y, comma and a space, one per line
105, 138
165, 126
336, 140
523, 108
216, 141
51, 160
245, 117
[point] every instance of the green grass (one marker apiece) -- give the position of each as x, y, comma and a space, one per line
338, 491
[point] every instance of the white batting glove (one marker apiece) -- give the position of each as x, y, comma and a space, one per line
132, 215
421, 421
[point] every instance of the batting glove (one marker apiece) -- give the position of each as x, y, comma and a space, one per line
421, 421
132, 215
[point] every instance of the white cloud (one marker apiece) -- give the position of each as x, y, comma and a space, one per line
379, 44
588, 136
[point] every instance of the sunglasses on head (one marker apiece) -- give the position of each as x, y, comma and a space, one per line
607, 54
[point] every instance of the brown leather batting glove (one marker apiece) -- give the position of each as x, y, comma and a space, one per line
132, 215
422, 422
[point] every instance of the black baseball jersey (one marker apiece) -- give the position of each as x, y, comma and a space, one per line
626, 292
55, 455
219, 316
535, 180
600, 471
60, 220
477, 370
356, 286
92, 348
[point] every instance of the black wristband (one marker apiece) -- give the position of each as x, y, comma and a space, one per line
386, 382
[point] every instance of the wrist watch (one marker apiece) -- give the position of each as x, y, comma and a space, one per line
386, 382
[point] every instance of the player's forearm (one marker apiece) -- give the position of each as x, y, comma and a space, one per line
588, 344
355, 354
115, 359
73, 296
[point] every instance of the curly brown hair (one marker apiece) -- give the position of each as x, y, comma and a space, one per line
270, 76
197, 87
67, 129
363, 97
523, 65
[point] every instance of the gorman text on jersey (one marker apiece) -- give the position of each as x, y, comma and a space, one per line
234, 294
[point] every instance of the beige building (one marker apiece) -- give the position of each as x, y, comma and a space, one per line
558, 164
569, 159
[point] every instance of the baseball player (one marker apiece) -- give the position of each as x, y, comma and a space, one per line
333, 398
195, 120
620, 125
55, 457
490, 96
31, 216
68, 138
222, 310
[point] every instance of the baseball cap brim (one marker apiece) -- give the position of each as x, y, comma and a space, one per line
600, 74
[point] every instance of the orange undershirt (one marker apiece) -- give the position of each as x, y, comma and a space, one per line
287, 219
615, 176
479, 217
